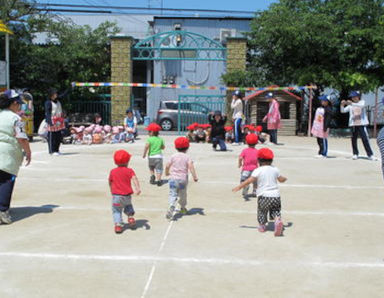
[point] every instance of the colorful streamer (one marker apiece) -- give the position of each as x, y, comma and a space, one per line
174, 86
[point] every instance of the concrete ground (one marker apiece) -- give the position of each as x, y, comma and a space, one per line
62, 242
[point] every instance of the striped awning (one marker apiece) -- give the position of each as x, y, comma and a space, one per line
4, 28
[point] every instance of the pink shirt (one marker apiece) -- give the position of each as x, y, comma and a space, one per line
179, 166
250, 159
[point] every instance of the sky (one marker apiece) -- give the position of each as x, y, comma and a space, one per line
232, 5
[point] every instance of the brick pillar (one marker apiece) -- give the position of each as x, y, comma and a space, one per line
236, 60
121, 71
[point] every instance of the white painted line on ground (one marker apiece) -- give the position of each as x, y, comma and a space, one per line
289, 212
211, 261
215, 182
153, 269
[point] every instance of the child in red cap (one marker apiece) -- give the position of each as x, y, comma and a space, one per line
120, 184
154, 147
268, 193
178, 167
248, 162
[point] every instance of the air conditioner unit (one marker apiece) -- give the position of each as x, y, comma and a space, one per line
225, 33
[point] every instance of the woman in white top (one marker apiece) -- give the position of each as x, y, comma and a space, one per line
237, 106
13, 141
358, 122
55, 121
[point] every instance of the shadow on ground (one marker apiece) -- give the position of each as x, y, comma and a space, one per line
20, 213
192, 211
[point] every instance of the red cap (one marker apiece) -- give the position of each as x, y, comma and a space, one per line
250, 127
205, 126
153, 127
259, 128
265, 153
121, 157
181, 143
252, 139
228, 128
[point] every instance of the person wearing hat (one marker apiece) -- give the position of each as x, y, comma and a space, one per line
154, 148
268, 194
273, 117
248, 162
120, 183
130, 123
358, 122
217, 122
13, 142
321, 124
237, 116
177, 168
55, 121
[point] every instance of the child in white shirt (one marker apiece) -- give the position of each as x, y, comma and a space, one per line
268, 193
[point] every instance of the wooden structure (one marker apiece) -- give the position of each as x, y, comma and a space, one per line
290, 104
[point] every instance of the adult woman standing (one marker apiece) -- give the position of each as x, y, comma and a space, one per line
273, 117
13, 141
55, 121
237, 106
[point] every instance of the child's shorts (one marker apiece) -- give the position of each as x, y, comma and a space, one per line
156, 164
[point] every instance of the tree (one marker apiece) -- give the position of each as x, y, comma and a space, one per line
330, 43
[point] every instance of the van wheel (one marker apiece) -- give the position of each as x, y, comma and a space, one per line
166, 124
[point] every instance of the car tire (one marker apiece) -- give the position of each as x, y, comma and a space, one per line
166, 124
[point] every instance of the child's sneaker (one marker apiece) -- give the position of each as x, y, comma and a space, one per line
354, 157
159, 183
132, 222
278, 227
373, 158
183, 211
118, 228
170, 211
5, 217
152, 180
262, 228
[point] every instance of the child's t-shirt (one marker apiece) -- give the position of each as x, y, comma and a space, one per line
155, 147
250, 159
120, 179
179, 166
267, 185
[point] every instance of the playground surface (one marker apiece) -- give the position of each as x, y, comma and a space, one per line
62, 242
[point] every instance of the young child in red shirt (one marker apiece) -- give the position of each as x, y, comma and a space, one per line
248, 161
121, 189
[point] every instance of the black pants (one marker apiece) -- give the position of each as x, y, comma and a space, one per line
54, 141
362, 131
323, 146
380, 143
7, 182
273, 136
265, 205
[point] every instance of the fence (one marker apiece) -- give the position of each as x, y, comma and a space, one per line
195, 108
102, 107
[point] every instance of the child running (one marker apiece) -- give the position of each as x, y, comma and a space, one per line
248, 161
121, 189
321, 124
268, 193
154, 147
178, 168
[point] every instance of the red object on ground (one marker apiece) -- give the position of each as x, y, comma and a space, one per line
228, 128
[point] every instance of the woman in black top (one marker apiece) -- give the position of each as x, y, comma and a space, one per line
217, 122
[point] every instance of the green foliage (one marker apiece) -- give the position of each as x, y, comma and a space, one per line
334, 43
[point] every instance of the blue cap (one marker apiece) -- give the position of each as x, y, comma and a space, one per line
354, 94
12, 95
269, 95
324, 98
237, 93
128, 111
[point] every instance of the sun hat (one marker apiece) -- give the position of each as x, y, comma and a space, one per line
265, 153
121, 157
181, 143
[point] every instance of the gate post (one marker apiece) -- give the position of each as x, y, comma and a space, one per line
121, 71
236, 60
